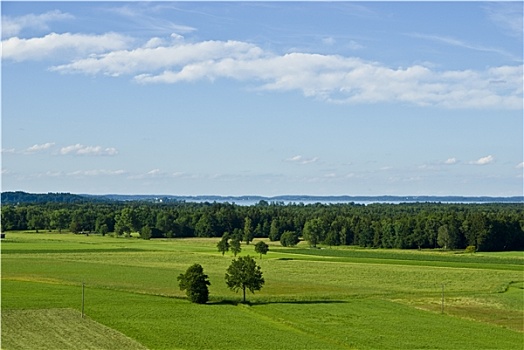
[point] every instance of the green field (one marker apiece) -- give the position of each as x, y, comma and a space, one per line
330, 298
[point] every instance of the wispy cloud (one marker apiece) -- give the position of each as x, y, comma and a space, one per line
507, 16
466, 45
451, 161
142, 14
520, 165
483, 161
154, 172
82, 150
160, 174
8, 150
12, 26
302, 160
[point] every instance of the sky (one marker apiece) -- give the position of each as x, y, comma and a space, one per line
263, 98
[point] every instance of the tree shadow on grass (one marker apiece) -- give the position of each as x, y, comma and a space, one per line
224, 302
259, 302
298, 302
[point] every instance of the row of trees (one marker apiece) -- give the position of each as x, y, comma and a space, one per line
488, 227
243, 274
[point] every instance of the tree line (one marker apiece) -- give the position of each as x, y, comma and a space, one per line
487, 227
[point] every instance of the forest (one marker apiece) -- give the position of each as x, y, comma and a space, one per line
478, 227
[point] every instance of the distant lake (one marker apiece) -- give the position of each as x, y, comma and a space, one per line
250, 202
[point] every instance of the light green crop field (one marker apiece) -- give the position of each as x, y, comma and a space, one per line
330, 298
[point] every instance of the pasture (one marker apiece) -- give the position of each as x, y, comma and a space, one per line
330, 298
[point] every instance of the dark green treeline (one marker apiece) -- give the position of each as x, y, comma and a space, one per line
488, 227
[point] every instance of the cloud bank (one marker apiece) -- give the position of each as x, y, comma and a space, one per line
330, 78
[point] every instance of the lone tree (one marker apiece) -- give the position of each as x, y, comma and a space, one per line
195, 283
244, 273
223, 244
261, 248
235, 246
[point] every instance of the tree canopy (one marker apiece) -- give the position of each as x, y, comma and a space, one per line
195, 283
261, 248
244, 273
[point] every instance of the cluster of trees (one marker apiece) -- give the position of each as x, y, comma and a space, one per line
488, 227
243, 274
233, 243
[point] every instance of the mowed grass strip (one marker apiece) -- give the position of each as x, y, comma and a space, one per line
59, 329
505, 308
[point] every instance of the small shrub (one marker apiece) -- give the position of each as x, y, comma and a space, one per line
470, 249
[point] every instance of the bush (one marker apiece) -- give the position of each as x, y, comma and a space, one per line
470, 249
289, 239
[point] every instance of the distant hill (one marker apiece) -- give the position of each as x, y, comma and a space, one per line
23, 197
20, 197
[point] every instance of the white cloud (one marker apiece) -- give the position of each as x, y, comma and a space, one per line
97, 172
159, 174
520, 166
159, 58
302, 160
450, 161
39, 148
54, 44
82, 150
483, 161
12, 26
331, 78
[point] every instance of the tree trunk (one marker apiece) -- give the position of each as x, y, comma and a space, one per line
244, 294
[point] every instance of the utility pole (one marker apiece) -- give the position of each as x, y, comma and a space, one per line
442, 304
83, 294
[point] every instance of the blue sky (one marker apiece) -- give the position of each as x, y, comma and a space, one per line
265, 98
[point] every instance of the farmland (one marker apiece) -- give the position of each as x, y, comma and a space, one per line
329, 298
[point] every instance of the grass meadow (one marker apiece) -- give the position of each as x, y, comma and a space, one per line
330, 298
